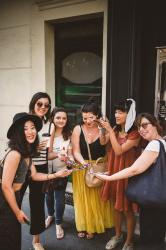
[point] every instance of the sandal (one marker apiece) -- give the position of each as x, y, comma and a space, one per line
90, 236
114, 241
81, 234
49, 221
128, 246
59, 232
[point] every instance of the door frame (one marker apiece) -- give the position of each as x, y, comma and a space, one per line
42, 28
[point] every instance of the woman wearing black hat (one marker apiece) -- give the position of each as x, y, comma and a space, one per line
23, 141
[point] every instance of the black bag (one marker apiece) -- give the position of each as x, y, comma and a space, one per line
54, 184
149, 187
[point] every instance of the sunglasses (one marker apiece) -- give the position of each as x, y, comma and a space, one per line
45, 105
144, 125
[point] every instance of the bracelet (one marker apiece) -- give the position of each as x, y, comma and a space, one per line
47, 176
55, 175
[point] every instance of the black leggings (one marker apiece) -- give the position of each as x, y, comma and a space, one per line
152, 225
37, 203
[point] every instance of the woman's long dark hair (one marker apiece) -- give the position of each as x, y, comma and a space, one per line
66, 132
124, 106
33, 101
19, 143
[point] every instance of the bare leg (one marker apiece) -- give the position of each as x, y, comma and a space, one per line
118, 217
36, 238
130, 220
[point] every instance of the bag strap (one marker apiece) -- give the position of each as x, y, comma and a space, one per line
89, 153
49, 130
2, 161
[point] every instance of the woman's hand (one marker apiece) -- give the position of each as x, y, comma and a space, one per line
103, 177
105, 124
42, 145
21, 216
63, 173
62, 155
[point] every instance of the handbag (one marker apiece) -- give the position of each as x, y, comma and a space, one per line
98, 166
149, 187
54, 184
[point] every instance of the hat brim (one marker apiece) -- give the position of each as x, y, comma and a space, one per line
35, 119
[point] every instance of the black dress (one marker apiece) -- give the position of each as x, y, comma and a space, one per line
10, 228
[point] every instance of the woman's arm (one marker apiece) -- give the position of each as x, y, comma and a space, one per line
103, 136
51, 154
146, 159
70, 152
36, 176
9, 170
119, 149
76, 145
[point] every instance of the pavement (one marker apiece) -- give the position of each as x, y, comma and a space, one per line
71, 240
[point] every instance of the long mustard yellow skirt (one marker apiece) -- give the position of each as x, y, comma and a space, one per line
91, 213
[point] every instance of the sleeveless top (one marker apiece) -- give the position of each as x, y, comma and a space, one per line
22, 170
97, 150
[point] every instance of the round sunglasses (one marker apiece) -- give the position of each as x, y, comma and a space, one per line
45, 105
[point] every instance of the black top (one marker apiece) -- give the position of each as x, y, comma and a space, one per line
97, 150
22, 171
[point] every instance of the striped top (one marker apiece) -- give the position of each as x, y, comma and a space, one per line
41, 159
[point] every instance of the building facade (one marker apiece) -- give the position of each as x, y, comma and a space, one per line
74, 49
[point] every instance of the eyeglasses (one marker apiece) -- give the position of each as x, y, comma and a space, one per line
144, 125
45, 105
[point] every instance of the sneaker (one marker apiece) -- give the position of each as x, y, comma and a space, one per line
128, 247
37, 246
113, 242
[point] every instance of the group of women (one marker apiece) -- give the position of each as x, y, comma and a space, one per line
96, 208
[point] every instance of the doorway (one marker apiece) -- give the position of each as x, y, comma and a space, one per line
78, 63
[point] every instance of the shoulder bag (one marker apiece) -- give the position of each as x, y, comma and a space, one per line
149, 187
98, 166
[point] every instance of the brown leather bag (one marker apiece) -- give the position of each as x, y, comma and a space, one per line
98, 166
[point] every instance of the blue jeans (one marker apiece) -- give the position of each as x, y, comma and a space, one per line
55, 202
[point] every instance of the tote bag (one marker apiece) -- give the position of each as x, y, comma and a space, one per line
149, 187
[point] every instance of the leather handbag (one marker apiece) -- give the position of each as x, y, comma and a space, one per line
98, 166
54, 184
149, 187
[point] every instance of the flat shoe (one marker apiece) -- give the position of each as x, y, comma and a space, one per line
37, 246
81, 234
90, 236
59, 232
128, 247
49, 221
113, 242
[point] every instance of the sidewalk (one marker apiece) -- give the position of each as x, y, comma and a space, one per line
70, 241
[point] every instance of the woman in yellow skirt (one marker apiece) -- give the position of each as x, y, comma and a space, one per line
92, 215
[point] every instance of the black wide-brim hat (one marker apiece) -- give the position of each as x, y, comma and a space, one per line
22, 117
